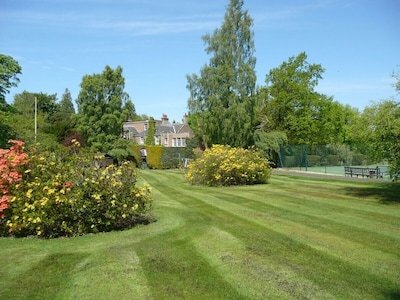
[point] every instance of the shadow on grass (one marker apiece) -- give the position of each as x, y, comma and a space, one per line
394, 295
46, 278
387, 193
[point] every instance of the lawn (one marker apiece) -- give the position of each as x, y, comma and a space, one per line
294, 238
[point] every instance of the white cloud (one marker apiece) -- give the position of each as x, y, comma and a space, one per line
156, 27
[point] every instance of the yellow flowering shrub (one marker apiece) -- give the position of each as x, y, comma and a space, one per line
64, 194
225, 166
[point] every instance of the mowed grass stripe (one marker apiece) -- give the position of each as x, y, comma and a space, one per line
212, 199
281, 287
327, 218
172, 263
253, 275
335, 244
349, 244
297, 212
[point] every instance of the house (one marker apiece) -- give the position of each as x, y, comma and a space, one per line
167, 134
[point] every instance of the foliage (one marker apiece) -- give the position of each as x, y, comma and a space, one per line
290, 104
66, 105
22, 120
103, 106
172, 157
154, 155
25, 103
6, 131
225, 166
159, 157
383, 132
64, 194
270, 143
61, 122
10, 162
222, 96
9, 71
151, 132
121, 151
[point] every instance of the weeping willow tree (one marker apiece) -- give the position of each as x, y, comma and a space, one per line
221, 104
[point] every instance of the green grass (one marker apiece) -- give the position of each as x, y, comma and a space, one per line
295, 238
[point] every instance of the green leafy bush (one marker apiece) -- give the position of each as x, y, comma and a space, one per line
64, 194
313, 160
225, 166
154, 154
172, 157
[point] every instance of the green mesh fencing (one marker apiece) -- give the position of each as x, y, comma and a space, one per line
324, 158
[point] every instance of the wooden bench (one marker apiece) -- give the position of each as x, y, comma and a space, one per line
364, 172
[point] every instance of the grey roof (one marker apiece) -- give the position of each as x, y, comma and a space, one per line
160, 129
132, 130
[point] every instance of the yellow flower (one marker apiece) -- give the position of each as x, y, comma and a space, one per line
96, 196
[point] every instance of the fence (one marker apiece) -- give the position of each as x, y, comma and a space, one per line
322, 158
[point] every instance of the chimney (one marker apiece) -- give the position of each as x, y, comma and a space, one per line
185, 119
164, 120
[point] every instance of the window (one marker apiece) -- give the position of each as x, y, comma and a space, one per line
141, 140
166, 141
156, 140
146, 126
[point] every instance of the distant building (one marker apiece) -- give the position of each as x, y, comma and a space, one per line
167, 134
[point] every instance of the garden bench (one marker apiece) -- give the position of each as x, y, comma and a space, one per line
360, 171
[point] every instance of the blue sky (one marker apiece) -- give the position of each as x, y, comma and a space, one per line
158, 42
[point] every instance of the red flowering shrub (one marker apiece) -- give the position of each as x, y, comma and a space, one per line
55, 194
10, 161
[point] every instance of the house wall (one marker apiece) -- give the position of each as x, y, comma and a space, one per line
165, 139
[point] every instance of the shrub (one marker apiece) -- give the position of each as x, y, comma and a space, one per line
332, 160
63, 194
225, 166
313, 160
172, 157
154, 154
10, 161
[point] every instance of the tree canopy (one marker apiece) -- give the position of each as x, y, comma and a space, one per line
9, 71
103, 106
291, 104
221, 104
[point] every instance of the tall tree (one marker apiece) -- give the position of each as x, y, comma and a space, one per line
61, 122
23, 119
9, 71
66, 104
381, 123
291, 104
103, 106
222, 96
